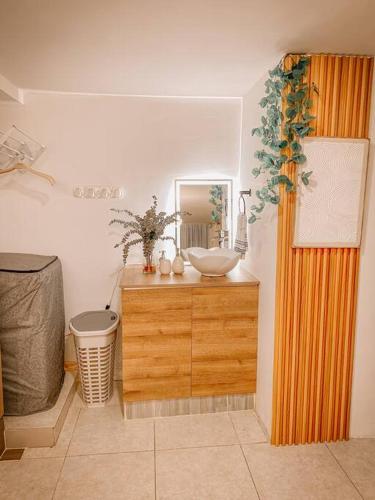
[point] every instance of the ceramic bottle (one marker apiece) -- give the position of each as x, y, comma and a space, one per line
178, 266
164, 264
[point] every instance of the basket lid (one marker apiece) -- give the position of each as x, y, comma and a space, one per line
94, 323
24, 262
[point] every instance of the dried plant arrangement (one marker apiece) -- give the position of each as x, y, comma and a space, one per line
146, 230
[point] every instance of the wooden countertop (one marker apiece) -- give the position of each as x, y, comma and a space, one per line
133, 277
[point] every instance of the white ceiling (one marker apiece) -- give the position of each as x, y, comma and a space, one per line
170, 47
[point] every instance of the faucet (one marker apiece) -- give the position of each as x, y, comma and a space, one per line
223, 238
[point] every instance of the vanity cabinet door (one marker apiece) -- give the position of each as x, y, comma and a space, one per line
156, 343
224, 340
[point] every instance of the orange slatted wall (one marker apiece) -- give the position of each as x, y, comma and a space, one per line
316, 289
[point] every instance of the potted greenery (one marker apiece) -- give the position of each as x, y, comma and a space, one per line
286, 120
146, 230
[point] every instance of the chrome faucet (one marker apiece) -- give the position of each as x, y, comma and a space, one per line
223, 238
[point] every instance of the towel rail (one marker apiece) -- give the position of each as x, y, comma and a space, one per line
241, 198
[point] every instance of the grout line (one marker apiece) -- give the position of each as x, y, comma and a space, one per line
248, 468
160, 450
199, 447
150, 450
103, 453
70, 440
243, 454
342, 468
262, 426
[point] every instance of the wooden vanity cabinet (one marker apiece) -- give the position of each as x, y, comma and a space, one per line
224, 340
188, 336
156, 343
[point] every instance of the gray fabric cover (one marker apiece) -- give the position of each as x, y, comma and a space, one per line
32, 324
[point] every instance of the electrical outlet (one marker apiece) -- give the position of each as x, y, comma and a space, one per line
98, 192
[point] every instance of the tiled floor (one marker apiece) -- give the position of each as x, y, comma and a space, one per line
220, 456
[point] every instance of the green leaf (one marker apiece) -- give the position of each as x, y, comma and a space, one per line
252, 219
283, 144
258, 208
281, 179
275, 200
256, 131
282, 159
299, 158
305, 177
295, 146
306, 116
291, 113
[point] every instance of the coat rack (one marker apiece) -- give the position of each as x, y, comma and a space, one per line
19, 151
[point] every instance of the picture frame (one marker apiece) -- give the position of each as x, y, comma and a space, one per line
329, 211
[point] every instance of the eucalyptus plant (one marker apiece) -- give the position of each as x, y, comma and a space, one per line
280, 135
216, 199
146, 230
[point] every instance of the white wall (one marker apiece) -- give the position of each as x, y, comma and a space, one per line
261, 258
363, 395
142, 144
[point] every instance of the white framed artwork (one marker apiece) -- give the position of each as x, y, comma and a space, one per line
329, 211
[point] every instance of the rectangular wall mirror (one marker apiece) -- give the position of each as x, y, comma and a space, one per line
209, 203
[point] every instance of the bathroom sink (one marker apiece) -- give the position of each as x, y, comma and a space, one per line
214, 261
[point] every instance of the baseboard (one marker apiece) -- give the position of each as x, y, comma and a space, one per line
188, 406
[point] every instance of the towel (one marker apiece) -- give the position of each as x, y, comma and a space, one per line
241, 244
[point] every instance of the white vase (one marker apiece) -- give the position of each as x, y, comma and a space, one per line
178, 266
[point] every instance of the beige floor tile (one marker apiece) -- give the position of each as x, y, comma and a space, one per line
29, 479
126, 476
104, 430
61, 447
190, 431
357, 457
217, 473
297, 472
247, 427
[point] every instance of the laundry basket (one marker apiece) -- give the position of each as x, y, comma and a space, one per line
94, 337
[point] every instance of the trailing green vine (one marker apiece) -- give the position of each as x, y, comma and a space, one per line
216, 193
281, 134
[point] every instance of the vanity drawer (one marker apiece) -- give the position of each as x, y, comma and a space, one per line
156, 344
224, 340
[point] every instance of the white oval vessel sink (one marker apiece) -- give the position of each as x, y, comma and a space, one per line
214, 261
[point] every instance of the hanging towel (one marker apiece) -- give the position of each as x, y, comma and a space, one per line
241, 244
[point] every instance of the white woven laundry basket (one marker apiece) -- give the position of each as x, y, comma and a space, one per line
94, 336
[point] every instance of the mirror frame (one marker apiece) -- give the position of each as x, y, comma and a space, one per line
205, 182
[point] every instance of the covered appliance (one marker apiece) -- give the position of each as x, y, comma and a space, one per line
32, 324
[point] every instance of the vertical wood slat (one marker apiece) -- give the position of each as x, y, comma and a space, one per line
316, 289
